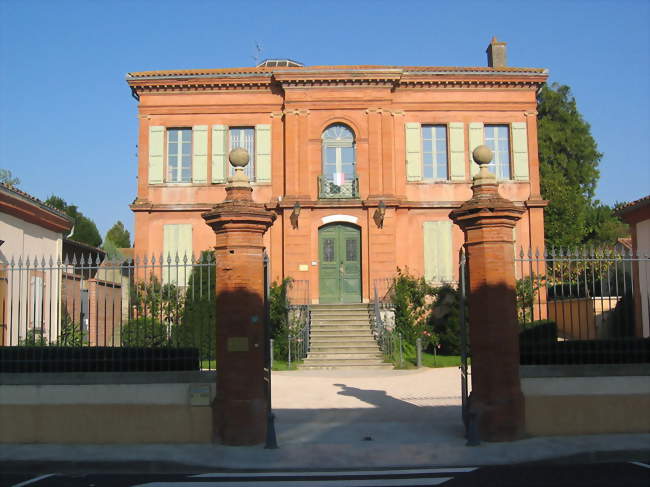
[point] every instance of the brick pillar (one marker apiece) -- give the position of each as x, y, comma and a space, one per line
239, 410
487, 220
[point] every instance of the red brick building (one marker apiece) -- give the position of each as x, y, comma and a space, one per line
362, 164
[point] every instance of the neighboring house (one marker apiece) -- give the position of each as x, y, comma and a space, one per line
32, 241
637, 215
95, 292
362, 164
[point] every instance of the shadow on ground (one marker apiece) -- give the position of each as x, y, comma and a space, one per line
386, 419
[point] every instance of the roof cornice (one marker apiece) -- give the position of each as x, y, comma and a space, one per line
342, 76
25, 207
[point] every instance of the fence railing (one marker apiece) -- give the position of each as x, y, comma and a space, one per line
113, 310
299, 320
383, 328
583, 306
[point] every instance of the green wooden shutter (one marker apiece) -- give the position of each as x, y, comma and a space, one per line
219, 153
200, 154
457, 151
263, 153
437, 251
520, 150
476, 138
156, 154
413, 152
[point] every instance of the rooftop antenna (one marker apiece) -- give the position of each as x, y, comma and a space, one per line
258, 53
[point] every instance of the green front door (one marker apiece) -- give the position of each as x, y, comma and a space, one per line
340, 264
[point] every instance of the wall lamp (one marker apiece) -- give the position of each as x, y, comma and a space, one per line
295, 214
380, 212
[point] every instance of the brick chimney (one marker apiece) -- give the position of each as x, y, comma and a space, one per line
496, 53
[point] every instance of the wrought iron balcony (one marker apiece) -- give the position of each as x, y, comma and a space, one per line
327, 189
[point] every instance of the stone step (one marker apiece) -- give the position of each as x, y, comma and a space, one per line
344, 348
336, 356
341, 321
374, 366
337, 312
340, 306
359, 329
342, 362
333, 340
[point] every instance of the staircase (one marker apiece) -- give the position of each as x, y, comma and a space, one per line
341, 338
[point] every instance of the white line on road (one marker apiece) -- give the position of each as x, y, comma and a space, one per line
349, 473
31, 481
309, 483
644, 465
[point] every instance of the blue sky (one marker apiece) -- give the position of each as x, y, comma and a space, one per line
68, 123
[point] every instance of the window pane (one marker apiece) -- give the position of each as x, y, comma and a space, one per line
427, 145
173, 149
347, 155
328, 250
351, 250
187, 135
172, 135
187, 148
427, 171
330, 155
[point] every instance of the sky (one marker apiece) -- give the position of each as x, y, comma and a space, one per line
68, 123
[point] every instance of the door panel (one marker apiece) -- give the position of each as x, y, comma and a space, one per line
340, 264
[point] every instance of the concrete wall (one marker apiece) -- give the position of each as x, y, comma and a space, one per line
579, 400
106, 408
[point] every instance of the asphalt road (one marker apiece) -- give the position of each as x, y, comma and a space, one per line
622, 474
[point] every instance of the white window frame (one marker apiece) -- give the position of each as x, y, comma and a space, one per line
434, 153
249, 170
175, 175
496, 165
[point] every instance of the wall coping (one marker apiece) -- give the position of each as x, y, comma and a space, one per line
589, 370
93, 378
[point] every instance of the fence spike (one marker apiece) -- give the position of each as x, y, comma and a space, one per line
136, 261
537, 253
13, 263
97, 261
51, 261
546, 254
145, 260
27, 262
43, 264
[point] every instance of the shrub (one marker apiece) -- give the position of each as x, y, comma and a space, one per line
279, 318
412, 298
445, 319
144, 332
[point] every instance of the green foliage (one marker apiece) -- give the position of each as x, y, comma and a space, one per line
71, 334
197, 326
152, 299
144, 332
445, 319
119, 235
569, 159
33, 338
412, 298
526, 290
85, 230
279, 317
8, 179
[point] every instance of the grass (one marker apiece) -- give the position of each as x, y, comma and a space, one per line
429, 360
284, 365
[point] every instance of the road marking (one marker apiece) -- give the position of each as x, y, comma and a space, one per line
31, 481
644, 465
309, 483
348, 473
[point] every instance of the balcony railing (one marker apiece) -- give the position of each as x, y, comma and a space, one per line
327, 189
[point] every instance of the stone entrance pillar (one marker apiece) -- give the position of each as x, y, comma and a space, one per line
487, 220
239, 410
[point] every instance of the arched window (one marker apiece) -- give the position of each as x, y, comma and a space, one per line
339, 179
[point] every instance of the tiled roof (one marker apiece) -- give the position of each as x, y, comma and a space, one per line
33, 199
270, 70
633, 205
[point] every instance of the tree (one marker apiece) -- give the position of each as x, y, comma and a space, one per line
119, 235
568, 166
7, 178
85, 230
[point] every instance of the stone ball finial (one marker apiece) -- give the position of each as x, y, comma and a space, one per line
482, 155
239, 157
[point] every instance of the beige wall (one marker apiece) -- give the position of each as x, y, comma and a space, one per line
105, 413
23, 306
586, 405
643, 249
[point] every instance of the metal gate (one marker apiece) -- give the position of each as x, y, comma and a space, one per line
468, 419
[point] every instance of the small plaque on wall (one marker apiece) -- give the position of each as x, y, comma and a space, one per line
238, 344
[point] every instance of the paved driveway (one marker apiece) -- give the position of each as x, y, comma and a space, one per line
383, 406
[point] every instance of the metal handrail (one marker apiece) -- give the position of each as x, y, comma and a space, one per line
327, 189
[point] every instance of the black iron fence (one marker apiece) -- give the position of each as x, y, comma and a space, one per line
83, 314
583, 306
